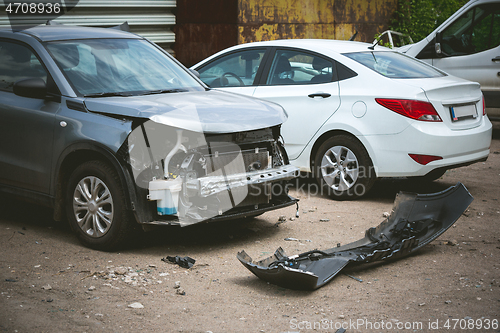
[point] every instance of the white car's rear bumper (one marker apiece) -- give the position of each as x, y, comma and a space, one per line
456, 147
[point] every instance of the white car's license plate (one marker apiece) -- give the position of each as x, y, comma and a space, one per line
463, 111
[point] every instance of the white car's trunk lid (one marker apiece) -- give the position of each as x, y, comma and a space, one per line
458, 102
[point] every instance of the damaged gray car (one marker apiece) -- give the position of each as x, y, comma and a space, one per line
112, 132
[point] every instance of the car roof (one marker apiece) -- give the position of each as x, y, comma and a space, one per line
47, 33
338, 46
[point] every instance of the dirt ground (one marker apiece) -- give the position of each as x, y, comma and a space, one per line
50, 283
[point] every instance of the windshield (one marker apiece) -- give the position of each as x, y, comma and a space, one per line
107, 67
395, 65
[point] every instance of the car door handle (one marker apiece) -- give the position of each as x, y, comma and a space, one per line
324, 95
496, 59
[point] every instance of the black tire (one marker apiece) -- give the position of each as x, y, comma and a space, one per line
356, 174
103, 224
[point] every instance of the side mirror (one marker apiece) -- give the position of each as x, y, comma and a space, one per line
195, 72
31, 87
437, 44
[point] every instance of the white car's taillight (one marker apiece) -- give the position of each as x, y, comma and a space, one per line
424, 159
417, 110
484, 107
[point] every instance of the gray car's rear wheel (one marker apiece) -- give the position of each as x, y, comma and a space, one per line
343, 168
96, 206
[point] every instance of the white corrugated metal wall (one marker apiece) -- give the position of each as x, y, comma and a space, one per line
152, 19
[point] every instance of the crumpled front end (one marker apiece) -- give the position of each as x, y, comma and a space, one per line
185, 177
416, 220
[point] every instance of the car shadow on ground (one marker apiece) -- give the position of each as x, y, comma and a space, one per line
27, 215
203, 236
387, 189
384, 190
496, 129
31, 223
23, 217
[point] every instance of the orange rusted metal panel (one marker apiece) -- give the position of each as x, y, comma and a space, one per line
331, 19
285, 11
205, 27
261, 32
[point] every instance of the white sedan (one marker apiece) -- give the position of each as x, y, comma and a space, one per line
358, 112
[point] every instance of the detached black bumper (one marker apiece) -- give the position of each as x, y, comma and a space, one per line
416, 220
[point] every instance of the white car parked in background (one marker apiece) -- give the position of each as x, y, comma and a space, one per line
467, 45
356, 112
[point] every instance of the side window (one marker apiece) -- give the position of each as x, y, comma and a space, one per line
234, 70
475, 31
18, 62
486, 33
297, 67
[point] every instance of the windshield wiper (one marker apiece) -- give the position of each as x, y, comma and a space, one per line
164, 91
108, 94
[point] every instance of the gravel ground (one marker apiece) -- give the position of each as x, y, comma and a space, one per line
50, 283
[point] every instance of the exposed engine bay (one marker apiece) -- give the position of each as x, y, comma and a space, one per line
193, 176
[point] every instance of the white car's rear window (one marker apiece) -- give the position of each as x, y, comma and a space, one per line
395, 65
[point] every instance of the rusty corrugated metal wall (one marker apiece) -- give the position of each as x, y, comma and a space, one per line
331, 19
205, 27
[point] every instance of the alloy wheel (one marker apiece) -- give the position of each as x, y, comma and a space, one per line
93, 206
340, 168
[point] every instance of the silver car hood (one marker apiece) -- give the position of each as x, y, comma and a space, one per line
206, 111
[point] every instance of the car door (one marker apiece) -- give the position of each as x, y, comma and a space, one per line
471, 46
305, 85
27, 124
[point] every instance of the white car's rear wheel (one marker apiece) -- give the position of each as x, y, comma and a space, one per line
343, 168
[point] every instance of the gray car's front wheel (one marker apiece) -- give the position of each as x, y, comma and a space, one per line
96, 206
343, 168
